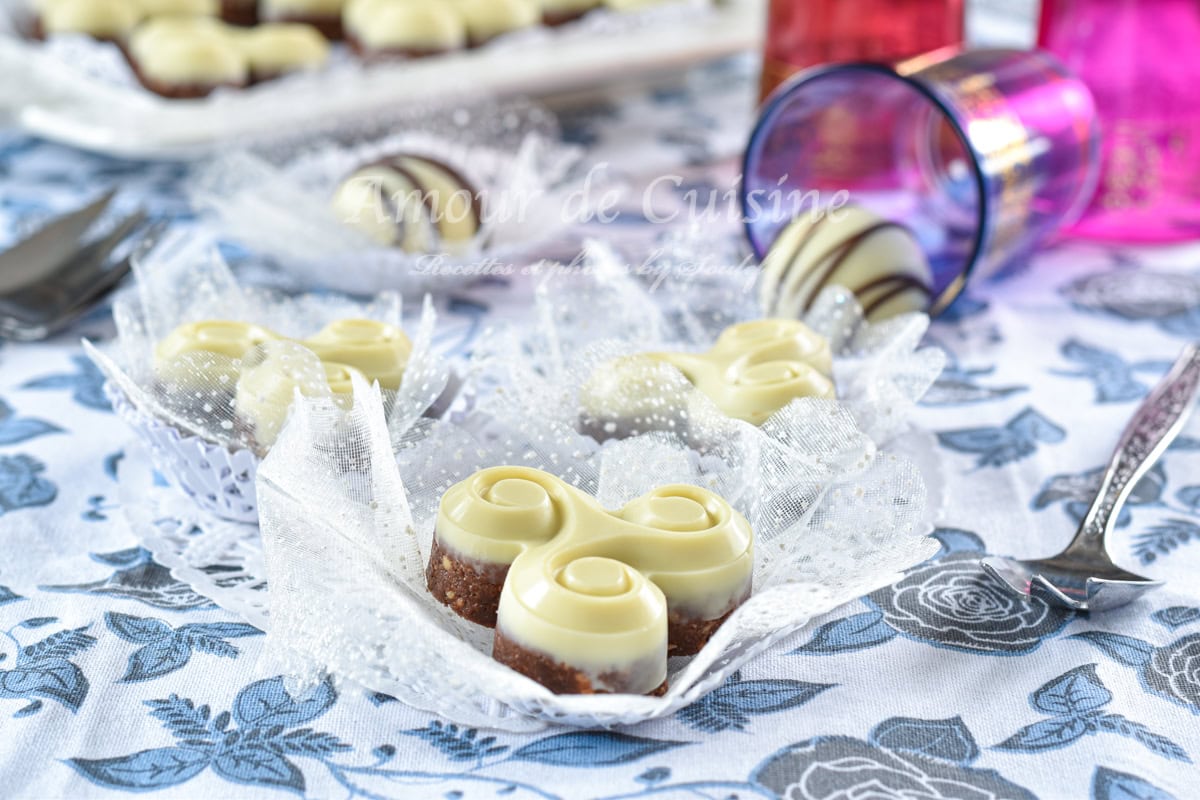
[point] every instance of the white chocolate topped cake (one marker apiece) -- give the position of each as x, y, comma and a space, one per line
268, 382
878, 260
754, 369
223, 362
102, 19
586, 600
403, 28
487, 19
187, 57
274, 49
415, 203
178, 8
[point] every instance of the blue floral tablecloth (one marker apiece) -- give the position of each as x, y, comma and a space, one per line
116, 678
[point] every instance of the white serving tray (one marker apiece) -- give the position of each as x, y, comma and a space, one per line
77, 104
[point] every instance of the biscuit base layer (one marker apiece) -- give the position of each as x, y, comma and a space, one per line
687, 636
555, 18
240, 12
558, 677
471, 588
330, 25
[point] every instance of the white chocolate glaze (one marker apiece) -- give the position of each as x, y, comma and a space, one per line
272, 375
280, 47
754, 369
589, 587
488, 18
109, 19
879, 261
181, 8
187, 51
198, 354
405, 25
279, 9
377, 350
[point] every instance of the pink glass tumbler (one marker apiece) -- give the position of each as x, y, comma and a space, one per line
1141, 60
982, 154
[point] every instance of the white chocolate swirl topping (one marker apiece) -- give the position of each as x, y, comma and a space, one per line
377, 350
590, 587
103, 18
753, 370
405, 25
488, 18
267, 386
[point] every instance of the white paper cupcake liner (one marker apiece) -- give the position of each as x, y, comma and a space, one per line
220, 480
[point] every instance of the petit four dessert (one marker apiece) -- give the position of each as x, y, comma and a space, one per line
586, 600
110, 20
189, 356
279, 48
378, 350
754, 369
268, 382
878, 260
487, 19
178, 8
324, 15
557, 12
186, 57
220, 362
415, 203
240, 12
381, 29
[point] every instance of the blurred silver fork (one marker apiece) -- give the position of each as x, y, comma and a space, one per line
53, 277
1083, 577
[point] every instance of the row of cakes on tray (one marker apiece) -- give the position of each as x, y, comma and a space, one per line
189, 48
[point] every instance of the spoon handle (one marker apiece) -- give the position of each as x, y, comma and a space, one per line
1154, 425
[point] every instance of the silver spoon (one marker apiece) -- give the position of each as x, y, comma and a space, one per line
1083, 577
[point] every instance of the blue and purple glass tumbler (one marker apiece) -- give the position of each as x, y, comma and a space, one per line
982, 154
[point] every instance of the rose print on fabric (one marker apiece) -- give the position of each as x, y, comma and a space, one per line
901, 759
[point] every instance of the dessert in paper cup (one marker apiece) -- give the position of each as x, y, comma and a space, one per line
615, 354
206, 371
510, 572
600, 580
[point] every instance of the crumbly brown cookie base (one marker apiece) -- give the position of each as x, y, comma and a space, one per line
558, 677
553, 18
239, 12
330, 25
686, 637
372, 55
472, 589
